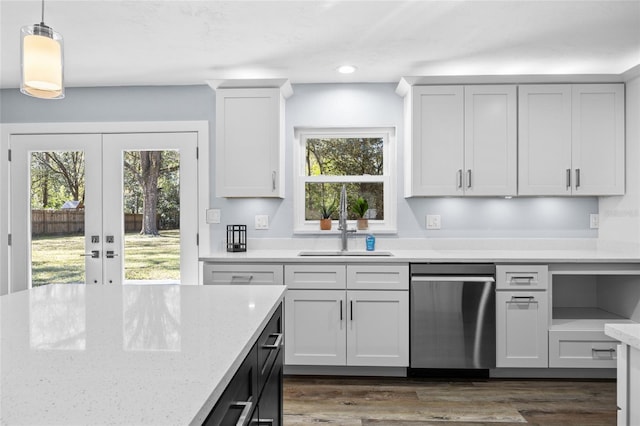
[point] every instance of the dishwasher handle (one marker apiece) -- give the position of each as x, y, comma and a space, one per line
449, 278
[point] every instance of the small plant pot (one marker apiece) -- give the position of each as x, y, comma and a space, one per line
362, 224
325, 224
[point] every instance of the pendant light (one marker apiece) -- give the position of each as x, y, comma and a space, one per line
41, 61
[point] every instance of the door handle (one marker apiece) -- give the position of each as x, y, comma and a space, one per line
110, 254
95, 254
469, 178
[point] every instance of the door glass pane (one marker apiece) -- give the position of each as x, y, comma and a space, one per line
151, 202
57, 217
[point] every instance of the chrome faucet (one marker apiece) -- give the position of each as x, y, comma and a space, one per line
342, 222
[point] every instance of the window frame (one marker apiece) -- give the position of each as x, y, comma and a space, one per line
388, 177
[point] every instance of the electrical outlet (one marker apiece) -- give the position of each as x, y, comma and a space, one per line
262, 221
594, 221
433, 221
213, 215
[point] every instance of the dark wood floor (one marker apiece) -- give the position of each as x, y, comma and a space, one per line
416, 401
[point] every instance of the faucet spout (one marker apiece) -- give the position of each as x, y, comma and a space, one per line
342, 222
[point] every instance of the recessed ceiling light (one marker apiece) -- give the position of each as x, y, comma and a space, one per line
346, 69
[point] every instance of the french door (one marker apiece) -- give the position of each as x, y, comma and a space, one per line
80, 208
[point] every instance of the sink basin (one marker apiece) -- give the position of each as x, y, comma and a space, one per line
344, 253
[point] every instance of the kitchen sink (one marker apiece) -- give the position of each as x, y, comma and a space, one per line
344, 253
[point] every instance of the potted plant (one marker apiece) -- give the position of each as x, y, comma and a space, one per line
326, 212
360, 207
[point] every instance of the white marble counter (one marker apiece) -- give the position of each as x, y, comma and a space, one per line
124, 355
628, 334
454, 255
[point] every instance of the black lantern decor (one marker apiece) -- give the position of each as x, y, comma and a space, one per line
236, 237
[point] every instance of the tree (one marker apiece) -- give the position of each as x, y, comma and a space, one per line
57, 173
146, 171
152, 176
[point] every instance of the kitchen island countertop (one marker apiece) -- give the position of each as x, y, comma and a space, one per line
628, 334
123, 355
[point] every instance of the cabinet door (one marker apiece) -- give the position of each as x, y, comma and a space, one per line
315, 327
598, 139
522, 324
437, 140
249, 143
544, 133
490, 140
378, 330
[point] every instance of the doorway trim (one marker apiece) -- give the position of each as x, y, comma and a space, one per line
7, 130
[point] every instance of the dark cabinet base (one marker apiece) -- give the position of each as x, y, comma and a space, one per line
254, 395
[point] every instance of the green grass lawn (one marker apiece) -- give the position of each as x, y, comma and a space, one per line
57, 259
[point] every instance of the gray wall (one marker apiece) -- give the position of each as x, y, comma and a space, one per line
314, 105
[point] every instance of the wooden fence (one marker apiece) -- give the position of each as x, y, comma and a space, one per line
71, 221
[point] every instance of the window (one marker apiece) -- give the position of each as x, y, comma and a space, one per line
362, 159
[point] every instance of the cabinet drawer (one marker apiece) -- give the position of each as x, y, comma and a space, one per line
524, 277
214, 273
581, 349
315, 276
378, 277
240, 397
269, 346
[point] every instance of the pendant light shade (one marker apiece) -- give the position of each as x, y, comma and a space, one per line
41, 62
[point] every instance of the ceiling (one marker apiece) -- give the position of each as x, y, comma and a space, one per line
109, 43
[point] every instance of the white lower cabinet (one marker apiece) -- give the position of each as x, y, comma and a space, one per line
522, 321
377, 328
581, 348
315, 327
338, 326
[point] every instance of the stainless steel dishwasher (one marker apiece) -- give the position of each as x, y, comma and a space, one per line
453, 311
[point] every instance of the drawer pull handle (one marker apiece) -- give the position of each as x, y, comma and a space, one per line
263, 422
521, 278
523, 299
276, 344
341, 310
246, 410
611, 352
244, 278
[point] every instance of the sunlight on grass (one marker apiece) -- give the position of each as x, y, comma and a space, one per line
58, 259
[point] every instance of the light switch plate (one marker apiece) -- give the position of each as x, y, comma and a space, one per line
594, 221
213, 215
433, 221
262, 221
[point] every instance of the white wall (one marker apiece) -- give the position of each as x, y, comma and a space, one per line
620, 216
378, 105
311, 105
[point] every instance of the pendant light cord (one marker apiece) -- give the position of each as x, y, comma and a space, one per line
42, 20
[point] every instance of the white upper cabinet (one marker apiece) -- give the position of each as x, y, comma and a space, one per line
571, 139
435, 152
544, 129
490, 140
249, 142
462, 141
598, 139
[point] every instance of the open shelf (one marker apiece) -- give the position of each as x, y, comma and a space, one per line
584, 318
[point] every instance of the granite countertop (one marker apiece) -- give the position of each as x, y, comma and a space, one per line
626, 333
123, 355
